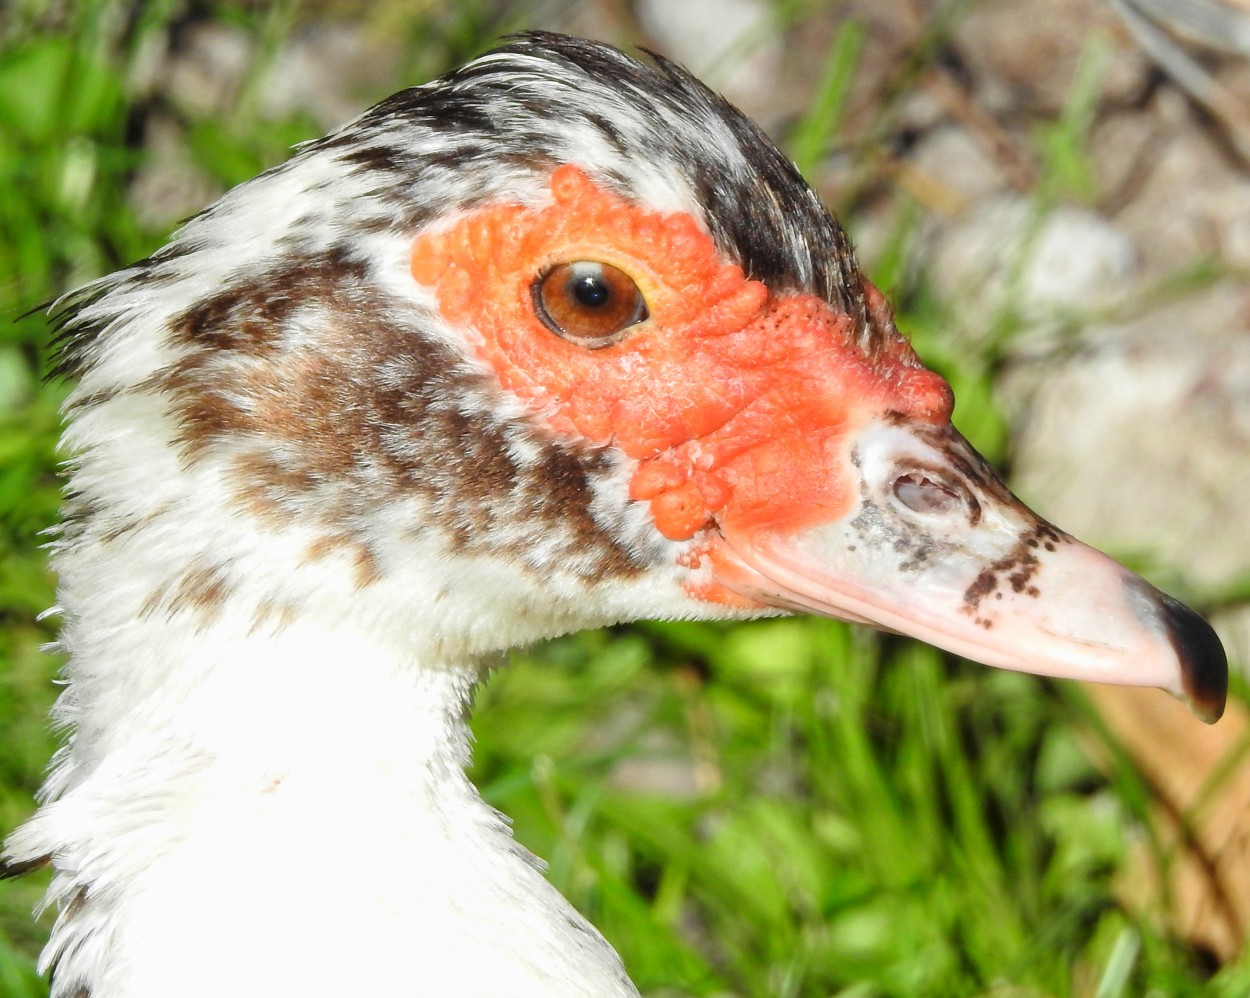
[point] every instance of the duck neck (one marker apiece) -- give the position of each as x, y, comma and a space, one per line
298, 801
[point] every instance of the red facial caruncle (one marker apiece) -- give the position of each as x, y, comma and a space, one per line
730, 398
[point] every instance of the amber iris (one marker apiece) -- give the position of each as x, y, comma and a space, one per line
588, 303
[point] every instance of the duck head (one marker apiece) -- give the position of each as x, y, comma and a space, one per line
562, 339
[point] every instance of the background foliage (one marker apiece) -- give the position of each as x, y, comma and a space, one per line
784, 808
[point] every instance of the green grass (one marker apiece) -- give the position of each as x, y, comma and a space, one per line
849, 814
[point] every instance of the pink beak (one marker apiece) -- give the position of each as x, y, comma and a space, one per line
936, 547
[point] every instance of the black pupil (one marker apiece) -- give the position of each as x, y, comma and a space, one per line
590, 290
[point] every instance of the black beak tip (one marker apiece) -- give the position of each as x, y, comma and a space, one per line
1204, 664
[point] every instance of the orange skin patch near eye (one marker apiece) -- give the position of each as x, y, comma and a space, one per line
734, 402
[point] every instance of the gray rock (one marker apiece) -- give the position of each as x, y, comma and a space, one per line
1140, 440
1047, 269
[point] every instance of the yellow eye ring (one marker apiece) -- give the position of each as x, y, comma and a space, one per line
588, 303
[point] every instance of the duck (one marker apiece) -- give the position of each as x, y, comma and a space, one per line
557, 341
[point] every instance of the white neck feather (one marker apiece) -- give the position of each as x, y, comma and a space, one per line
298, 822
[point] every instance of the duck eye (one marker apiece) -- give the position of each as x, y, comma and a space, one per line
588, 303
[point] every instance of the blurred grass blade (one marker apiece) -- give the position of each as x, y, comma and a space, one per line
818, 128
1119, 969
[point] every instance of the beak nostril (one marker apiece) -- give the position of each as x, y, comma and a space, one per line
923, 495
